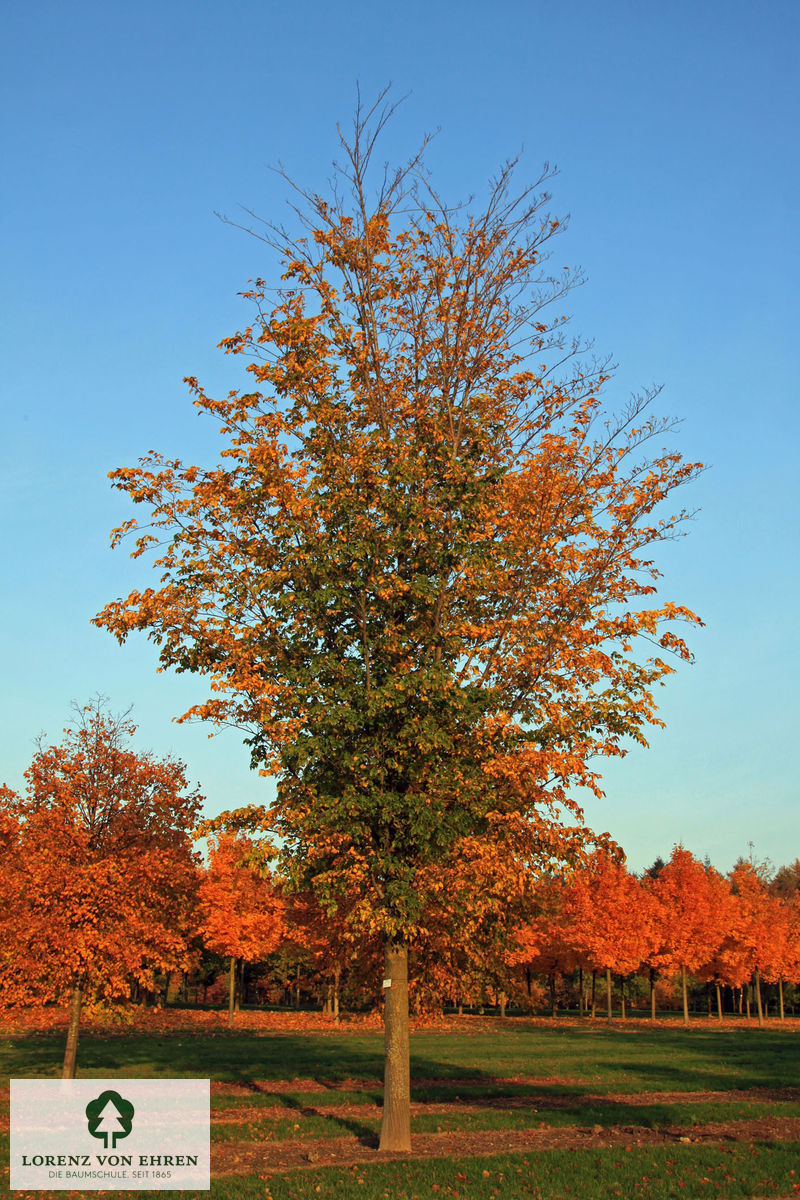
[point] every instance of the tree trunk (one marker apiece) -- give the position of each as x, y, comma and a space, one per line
231, 988
396, 1123
594, 993
652, 994
622, 994
719, 1002
553, 1002
608, 991
780, 996
71, 1050
758, 998
503, 1003
297, 987
336, 975
685, 997
581, 1005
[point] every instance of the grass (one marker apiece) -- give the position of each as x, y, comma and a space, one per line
765, 1169
619, 1058
544, 1073
653, 1116
584, 1175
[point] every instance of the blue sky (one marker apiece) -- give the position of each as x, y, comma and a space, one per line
674, 127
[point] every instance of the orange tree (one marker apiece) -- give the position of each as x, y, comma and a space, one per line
241, 910
544, 943
757, 928
609, 920
467, 937
419, 574
693, 915
99, 872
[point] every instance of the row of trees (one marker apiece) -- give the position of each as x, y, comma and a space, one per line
681, 918
102, 890
679, 922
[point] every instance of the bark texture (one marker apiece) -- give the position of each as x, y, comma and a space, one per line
396, 1123
758, 998
231, 988
71, 1051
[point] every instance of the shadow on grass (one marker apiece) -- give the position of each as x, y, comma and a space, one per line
363, 1133
234, 1058
571, 1059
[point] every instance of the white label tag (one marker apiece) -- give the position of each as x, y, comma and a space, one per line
84, 1135
387, 983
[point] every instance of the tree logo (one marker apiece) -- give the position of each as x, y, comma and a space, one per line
110, 1116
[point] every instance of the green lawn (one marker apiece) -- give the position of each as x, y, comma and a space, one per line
621, 1058
513, 1079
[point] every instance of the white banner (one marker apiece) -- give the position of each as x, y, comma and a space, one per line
98, 1134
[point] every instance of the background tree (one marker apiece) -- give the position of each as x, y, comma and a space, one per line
609, 919
103, 869
786, 881
420, 574
757, 932
545, 944
241, 910
474, 898
694, 914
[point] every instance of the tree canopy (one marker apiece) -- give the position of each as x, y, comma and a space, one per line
99, 877
421, 574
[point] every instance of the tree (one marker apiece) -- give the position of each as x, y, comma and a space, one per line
241, 911
757, 929
102, 867
786, 881
694, 910
421, 575
544, 943
609, 918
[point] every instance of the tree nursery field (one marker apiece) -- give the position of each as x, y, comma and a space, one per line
521, 1106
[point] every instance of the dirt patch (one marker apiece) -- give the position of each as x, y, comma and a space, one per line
281, 1086
533, 1103
247, 1157
266, 1087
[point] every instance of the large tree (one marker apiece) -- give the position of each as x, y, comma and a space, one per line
421, 574
98, 879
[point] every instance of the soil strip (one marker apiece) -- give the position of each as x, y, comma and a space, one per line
265, 1158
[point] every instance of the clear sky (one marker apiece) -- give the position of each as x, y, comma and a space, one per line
675, 129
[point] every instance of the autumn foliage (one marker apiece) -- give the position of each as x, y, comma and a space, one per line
98, 876
421, 574
241, 910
